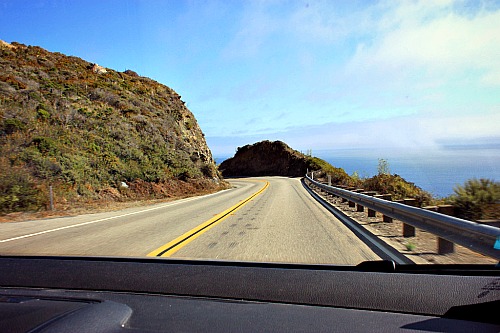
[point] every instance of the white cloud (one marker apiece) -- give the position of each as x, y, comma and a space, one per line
422, 37
405, 73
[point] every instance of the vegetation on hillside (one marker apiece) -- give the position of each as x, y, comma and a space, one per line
384, 182
85, 129
323, 168
398, 187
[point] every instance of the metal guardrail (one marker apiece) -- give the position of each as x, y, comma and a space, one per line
474, 236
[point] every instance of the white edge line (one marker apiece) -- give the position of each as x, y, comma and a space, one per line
108, 218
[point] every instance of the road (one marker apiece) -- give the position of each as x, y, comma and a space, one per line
260, 219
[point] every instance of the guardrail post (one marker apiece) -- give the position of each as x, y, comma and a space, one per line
387, 197
329, 180
445, 246
371, 212
409, 230
359, 208
349, 202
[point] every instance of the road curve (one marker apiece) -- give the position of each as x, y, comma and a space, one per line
280, 224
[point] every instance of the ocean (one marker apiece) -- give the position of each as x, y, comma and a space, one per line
436, 171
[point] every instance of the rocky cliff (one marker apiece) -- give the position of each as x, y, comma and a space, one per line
90, 131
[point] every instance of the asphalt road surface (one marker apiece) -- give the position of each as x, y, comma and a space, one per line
270, 219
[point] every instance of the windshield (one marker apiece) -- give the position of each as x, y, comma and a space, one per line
269, 131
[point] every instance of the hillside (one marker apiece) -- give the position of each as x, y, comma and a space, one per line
92, 133
276, 158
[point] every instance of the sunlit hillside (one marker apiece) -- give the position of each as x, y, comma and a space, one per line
92, 132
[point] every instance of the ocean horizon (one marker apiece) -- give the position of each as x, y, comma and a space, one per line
436, 171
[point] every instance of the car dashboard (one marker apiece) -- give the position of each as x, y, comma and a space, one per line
74, 294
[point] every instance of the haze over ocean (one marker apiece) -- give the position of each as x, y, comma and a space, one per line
436, 171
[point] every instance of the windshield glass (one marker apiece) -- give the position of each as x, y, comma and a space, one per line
268, 131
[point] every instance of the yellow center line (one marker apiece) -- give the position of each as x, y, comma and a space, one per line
173, 246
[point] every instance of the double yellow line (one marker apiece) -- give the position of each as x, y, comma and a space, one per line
173, 246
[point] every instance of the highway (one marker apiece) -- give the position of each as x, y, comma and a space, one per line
270, 219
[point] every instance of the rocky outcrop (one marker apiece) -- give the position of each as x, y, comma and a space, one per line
266, 158
131, 73
98, 69
6, 45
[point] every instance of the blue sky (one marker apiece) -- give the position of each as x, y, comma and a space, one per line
315, 74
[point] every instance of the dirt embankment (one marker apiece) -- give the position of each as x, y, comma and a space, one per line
139, 193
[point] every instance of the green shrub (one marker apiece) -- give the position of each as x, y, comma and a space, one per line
12, 125
75, 168
86, 112
41, 166
209, 170
44, 145
410, 246
475, 197
189, 124
131, 171
17, 191
35, 95
41, 112
398, 187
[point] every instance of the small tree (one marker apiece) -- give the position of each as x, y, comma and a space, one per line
383, 167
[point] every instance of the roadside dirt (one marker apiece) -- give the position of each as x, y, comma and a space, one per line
422, 248
109, 201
